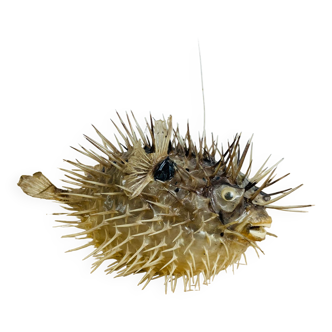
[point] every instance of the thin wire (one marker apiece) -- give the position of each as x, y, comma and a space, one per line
202, 86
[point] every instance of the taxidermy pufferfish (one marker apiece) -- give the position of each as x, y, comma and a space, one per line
163, 206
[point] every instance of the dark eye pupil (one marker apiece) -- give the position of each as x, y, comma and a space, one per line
228, 196
165, 170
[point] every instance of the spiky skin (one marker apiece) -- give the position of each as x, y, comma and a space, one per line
170, 228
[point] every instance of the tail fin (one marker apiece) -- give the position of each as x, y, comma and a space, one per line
38, 186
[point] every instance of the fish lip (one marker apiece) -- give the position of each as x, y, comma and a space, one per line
255, 217
263, 224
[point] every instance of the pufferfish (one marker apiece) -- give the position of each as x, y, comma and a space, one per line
161, 205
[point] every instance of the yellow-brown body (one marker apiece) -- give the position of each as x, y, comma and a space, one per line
158, 208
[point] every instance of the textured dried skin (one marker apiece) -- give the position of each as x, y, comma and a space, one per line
180, 226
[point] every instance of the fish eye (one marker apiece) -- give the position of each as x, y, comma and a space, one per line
226, 198
228, 194
165, 170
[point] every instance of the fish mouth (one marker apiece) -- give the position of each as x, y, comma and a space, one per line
254, 224
258, 232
